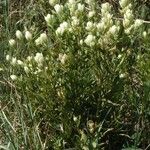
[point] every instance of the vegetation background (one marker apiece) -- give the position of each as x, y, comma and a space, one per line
98, 99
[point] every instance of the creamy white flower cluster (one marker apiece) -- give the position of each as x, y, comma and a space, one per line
75, 7
62, 58
104, 27
62, 28
41, 39
128, 21
128, 15
20, 36
107, 28
49, 19
80, 20
106, 19
32, 64
74, 21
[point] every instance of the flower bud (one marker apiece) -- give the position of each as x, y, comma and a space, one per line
39, 58
12, 42
91, 14
75, 119
62, 28
81, 42
14, 61
53, 2
30, 66
59, 31
19, 35
81, 7
126, 23
49, 18
128, 14
64, 25
124, 3
105, 8
38, 41
26, 69
29, 58
90, 2
122, 75
100, 26
138, 23
94, 144
58, 8
113, 30
8, 57
138, 57
62, 58
119, 56
13, 77
75, 21
108, 18
72, 2
90, 40
89, 26
28, 35
19, 62
144, 34
43, 37
129, 30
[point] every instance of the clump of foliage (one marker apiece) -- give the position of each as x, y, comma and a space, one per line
80, 81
